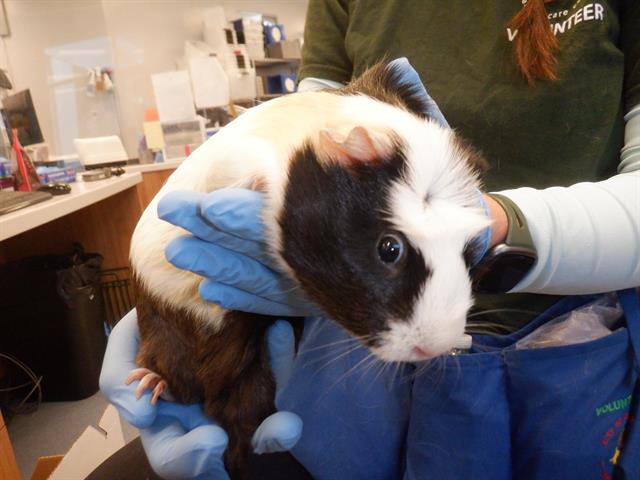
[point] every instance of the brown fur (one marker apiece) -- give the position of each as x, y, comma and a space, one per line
383, 84
228, 369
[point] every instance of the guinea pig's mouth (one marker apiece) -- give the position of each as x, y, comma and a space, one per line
409, 348
422, 354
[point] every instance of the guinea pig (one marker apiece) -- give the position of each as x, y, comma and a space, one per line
371, 206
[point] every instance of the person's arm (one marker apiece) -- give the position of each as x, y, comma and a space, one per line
588, 235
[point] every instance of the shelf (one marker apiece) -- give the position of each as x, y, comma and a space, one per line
267, 62
266, 96
271, 96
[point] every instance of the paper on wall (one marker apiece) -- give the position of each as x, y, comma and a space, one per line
210, 83
174, 98
153, 135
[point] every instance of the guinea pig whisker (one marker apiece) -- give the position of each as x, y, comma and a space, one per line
332, 344
342, 347
333, 358
441, 367
456, 359
396, 371
388, 373
491, 328
342, 377
502, 310
380, 367
434, 364
422, 367
293, 288
486, 332
386, 368
371, 373
476, 323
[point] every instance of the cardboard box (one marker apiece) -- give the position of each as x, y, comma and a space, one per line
46, 466
284, 49
93, 447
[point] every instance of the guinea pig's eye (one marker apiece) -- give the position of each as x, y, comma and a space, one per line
391, 248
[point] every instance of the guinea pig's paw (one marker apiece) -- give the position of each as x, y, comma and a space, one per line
150, 380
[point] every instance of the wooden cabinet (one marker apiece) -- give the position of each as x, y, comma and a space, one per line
104, 227
8, 465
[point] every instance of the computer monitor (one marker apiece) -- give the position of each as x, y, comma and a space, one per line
20, 114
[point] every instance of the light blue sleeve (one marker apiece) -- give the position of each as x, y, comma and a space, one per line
311, 84
630, 153
587, 235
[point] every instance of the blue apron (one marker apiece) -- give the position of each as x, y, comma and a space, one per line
498, 413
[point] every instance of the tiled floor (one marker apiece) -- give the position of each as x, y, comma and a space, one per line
52, 429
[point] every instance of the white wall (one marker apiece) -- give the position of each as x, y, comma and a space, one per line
52, 43
150, 46
144, 37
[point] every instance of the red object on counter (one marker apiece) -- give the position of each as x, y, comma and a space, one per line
25, 186
151, 115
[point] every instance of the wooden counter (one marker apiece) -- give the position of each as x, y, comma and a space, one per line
103, 225
8, 465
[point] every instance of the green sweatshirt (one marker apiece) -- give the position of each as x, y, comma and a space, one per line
554, 133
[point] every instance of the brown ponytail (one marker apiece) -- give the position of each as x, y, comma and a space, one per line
535, 44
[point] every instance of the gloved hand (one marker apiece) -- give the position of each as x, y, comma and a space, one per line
180, 441
227, 248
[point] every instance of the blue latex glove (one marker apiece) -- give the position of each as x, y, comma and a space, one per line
410, 76
180, 441
226, 247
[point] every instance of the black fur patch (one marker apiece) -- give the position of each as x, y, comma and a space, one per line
331, 223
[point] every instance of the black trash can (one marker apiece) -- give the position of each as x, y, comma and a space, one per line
53, 320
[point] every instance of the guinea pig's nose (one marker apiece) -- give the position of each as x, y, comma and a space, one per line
422, 354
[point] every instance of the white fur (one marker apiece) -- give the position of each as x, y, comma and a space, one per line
435, 206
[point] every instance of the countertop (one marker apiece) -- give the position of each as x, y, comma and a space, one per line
82, 194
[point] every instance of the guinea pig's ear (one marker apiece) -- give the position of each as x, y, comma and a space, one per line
359, 146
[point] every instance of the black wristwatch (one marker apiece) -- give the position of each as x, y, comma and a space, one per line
504, 265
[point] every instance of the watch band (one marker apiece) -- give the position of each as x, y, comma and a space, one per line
518, 234
505, 264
